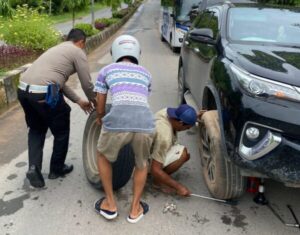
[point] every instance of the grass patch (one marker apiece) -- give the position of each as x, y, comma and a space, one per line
68, 15
2, 71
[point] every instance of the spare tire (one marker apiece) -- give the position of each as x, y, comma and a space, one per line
122, 168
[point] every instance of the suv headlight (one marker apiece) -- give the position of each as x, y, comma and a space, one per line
261, 87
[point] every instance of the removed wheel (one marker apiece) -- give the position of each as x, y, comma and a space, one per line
122, 168
222, 177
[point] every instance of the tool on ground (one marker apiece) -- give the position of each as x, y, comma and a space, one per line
295, 225
261, 200
230, 202
295, 217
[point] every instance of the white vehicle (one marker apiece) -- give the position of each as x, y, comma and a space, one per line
175, 21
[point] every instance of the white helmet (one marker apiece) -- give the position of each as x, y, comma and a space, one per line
125, 46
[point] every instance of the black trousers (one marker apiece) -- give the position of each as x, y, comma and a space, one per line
39, 117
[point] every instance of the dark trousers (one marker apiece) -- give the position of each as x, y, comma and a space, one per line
39, 117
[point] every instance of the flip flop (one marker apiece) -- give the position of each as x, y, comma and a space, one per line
145, 207
109, 215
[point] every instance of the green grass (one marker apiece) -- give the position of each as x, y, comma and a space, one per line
2, 71
68, 15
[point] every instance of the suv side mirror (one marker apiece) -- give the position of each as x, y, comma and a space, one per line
172, 15
203, 35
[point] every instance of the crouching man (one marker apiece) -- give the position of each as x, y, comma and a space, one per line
167, 155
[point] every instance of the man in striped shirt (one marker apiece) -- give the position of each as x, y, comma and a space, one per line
129, 121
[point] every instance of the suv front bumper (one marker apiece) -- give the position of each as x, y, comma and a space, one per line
275, 151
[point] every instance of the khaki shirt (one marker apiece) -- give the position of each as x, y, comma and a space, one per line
56, 65
164, 137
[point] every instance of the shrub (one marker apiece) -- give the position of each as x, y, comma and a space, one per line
29, 29
12, 56
120, 14
86, 28
102, 23
31, 3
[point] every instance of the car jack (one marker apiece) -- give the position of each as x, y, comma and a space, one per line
261, 200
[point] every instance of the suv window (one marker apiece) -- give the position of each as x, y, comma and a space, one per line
208, 19
271, 25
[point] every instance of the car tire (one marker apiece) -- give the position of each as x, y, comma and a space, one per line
162, 38
181, 87
122, 168
221, 176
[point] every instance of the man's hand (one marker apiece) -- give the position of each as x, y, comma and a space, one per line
99, 120
86, 106
183, 191
200, 114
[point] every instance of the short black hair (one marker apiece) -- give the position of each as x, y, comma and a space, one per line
131, 58
76, 35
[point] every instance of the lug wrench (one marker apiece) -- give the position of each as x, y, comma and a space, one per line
230, 202
295, 217
296, 225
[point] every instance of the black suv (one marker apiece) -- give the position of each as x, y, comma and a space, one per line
242, 63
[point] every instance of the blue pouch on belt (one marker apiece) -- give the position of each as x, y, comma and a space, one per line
53, 95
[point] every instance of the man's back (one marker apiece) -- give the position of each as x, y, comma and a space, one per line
129, 85
54, 66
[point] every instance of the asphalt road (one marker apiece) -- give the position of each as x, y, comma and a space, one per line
65, 206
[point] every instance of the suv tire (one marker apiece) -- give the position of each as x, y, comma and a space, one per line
181, 87
122, 168
222, 178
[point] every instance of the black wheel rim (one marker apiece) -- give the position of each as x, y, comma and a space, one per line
209, 165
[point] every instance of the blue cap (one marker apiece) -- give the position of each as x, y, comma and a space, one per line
184, 113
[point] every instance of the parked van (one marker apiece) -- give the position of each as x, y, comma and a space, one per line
176, 20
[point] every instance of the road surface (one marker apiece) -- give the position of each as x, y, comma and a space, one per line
65, 206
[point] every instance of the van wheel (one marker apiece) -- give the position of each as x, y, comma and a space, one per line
162, 38
222, 177
181, 88
122, 168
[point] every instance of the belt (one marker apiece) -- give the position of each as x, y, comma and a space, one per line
32, 88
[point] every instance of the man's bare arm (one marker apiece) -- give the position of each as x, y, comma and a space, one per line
100, 108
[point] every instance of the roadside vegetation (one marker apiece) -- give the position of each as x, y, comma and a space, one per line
282, 2
65, 16
27, 29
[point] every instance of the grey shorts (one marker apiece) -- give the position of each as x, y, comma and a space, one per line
110, 143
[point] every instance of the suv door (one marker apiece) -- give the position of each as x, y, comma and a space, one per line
201, 55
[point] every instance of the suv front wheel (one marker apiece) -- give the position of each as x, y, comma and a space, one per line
181, 87
221, 176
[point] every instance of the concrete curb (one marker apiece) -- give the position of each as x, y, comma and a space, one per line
9, 82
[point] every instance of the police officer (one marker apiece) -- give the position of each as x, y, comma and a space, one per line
41, 93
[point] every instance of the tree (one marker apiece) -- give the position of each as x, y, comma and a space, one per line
74, 5
128, 2
114, 4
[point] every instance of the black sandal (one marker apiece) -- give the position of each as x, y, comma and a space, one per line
109, 215
145, 207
